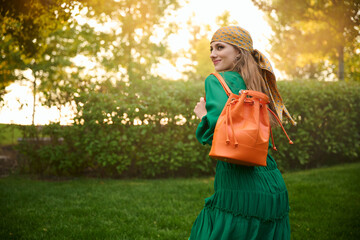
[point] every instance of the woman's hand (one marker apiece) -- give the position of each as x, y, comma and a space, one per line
200, 109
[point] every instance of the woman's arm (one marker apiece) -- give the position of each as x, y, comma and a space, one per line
210, 110
215, 101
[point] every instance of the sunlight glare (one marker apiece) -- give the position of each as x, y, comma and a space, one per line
18, 102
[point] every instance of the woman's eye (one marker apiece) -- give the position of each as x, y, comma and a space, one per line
218, 48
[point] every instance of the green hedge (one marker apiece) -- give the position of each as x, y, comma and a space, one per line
106, 141
328, 129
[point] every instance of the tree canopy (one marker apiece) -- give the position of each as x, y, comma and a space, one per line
314, 38
199, 52
44, 36
132, 46
25, 27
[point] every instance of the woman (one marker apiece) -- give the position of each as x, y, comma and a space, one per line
249, 202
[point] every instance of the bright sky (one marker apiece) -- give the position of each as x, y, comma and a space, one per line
242, 11
205, 12
202, 12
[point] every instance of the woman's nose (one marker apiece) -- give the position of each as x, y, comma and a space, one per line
212, 54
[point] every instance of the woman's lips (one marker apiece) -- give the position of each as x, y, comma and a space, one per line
216, 61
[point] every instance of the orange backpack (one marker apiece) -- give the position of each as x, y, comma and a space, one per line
242, 130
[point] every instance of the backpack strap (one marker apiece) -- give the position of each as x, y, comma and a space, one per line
223, 83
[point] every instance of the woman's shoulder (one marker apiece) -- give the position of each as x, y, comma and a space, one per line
233, 79
210, 78
215, 90
229, 75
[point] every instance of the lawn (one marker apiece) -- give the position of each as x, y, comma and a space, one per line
325, 204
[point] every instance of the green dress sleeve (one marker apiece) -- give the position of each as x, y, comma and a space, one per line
215, 102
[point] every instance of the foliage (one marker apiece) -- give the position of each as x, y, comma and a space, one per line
106, 137
53, 72
9, 134
352, 54
224, 20
46, 52
324, 205
199, 53
310, 37
149, 131
29, 22
328, 131
126, 49
132, 47
201, 65
25, 26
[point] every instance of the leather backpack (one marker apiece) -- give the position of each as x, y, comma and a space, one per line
242, 130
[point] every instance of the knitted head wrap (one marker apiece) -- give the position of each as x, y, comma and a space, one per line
241, 38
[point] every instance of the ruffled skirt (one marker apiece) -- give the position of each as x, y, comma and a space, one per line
248, 203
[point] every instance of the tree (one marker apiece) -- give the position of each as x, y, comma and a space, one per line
199, 52
48, 52
224, 20
313, 37
131, 44
55, 78
59, 79
29, 22
25, 26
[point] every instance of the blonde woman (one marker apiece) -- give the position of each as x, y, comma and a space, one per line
249, 202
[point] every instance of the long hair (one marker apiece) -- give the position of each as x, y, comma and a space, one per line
250, 71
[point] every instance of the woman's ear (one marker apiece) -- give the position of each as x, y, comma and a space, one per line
239, 53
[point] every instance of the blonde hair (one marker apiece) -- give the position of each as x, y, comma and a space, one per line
250, 71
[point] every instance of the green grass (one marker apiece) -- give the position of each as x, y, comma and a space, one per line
325, 204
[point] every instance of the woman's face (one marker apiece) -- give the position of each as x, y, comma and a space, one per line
223, 56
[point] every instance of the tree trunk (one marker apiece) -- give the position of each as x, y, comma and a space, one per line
34, 96
341, 63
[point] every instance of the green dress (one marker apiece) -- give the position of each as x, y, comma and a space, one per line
249, 202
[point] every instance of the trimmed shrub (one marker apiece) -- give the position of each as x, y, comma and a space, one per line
328, 126
147, 129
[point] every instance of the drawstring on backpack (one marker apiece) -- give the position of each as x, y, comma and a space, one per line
272, 137
228, 116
